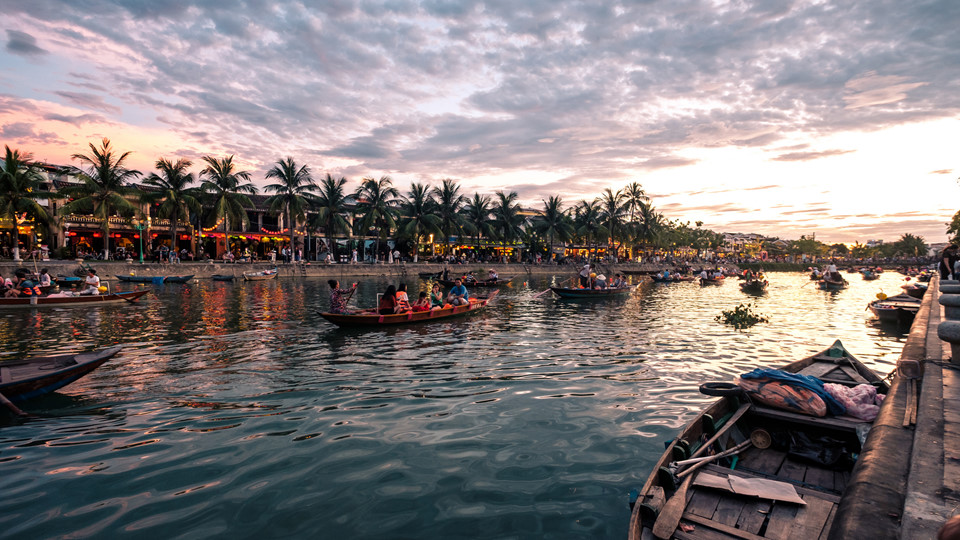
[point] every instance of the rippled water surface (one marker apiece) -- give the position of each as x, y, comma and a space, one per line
235, 410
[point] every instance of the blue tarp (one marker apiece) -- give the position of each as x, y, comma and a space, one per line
805, 381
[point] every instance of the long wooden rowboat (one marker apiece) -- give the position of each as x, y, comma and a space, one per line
827, 285
32, 377
755, 286
712, 280
70, 301
155, 279
260, 276
674, 278
569, 292
478, 284
371, 318
901, 309
768, 444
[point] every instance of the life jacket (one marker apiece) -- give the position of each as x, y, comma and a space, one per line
402, 301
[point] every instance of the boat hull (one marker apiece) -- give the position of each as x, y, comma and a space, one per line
71, 301
564, 292
155, 279
37, 376
475, 284
359, 320
261, 276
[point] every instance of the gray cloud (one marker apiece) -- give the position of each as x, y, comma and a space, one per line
809, 156
23, 44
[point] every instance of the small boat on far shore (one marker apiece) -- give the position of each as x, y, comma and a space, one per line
260, 276
155, 279
223, 277
32, 377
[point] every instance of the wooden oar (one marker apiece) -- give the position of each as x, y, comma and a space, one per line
9, 404
541, 293
672, 511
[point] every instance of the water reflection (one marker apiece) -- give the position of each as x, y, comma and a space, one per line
240, 411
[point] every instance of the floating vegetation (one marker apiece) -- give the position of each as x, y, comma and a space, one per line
741, 317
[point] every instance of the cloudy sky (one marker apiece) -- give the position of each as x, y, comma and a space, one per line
834, 118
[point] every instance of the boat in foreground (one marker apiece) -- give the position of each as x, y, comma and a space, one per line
368, 318
783, 472
571, 292
70, 301
260, 276
32, 377
155, 279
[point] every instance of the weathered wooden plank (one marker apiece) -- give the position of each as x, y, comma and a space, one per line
840, 479
731, 531
819, 476
728, 510
825, 534
792, 470
852, 373
713, 469
703, 502
810, 519
818, 369
781, 518
831, 423
753, 515
701, 533
765, 461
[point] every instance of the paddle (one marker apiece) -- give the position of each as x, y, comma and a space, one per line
9, 404
672, 511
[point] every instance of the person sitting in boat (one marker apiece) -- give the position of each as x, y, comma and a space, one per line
585, 276
469, 278
458, 294
44, 278
92, 283
619, 282
339, 297
717, 274
388, 302
5, 283
601, 282
403, 301
22, 286
422, 303
592, 281
492, 275
436, 297
665, 274
704, 274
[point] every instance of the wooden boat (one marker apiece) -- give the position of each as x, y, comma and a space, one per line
260, 276
32, 377
70, 301
155, 279
430, 275
869, 275
223, 277
68, 281
571, 292
755, 286
829, 285
370, 317
478, 283
770, 451
712, 280
915, 290
900, 309
674, 278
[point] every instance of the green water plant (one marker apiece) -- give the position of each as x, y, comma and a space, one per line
741, 317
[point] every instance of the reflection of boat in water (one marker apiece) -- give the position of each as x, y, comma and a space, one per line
368, 318
70, 301
32, 377
781, 471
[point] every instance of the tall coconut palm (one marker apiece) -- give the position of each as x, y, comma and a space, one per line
553, 222
476, 217
507, 221
104, 189
331, 205
173, 189
377, 204
226, 187
613, 208
293, 192
449, 203
419, 216
588, 219
649, 225
19, 190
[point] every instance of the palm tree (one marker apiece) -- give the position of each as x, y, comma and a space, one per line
634, 196
331, 205
19, 191
613, 210
173, 189
104, 189
553, 222
449, 204
376, 202
419, 212
225, 186
588, 219
649, 224
294, 189
477, 218
507, 221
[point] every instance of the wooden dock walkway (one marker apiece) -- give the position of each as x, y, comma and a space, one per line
907, 480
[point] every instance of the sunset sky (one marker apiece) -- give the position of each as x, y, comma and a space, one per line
834, 118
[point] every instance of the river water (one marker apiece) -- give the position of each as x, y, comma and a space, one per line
236, 411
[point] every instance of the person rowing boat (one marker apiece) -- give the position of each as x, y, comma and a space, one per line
339, 297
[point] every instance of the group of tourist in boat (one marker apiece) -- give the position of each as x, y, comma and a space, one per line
591, 280
24, 283
395, 299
